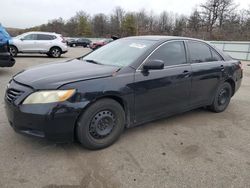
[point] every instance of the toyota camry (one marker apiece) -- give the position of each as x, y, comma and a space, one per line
126, 83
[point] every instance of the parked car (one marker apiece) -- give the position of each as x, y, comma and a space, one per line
121, 85
79, 42
69, 40
6, 60
52, 44
98, 44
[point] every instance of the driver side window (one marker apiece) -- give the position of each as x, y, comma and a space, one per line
171, 53
30, 37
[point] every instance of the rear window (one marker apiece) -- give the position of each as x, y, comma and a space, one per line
199, 52
45, 37
216, 56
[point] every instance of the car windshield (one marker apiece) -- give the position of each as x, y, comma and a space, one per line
120, 52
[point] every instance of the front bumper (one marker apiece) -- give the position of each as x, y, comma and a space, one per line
54, 121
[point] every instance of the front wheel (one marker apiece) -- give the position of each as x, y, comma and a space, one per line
55, 52
222, 98
101, 124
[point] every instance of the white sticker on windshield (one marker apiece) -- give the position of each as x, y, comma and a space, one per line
135, 45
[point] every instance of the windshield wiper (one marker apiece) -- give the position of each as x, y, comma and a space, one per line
92, 61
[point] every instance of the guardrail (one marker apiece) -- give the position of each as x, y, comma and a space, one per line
237, 50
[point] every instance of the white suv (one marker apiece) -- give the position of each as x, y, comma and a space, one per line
52, 44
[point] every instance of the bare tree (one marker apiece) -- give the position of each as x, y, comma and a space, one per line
180, 26
195, 21
116, 20
210, 14
142, 22
165, 23
226, 7
212, 20
99, 24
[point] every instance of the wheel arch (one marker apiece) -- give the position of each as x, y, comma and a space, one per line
113, 97
14, 46
232, 83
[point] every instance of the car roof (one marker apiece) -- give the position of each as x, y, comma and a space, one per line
162, 38
40, 32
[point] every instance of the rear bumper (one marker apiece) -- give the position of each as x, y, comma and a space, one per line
64, 48
238, 84
238, 79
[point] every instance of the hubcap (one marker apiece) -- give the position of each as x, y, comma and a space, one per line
223, 96
102, 124
55, 52
12, 51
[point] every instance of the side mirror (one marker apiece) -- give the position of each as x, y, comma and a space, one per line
153, 65
22, 39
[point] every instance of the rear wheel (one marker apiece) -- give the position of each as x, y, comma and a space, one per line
13, 51
55, 52
101, 124
222, 98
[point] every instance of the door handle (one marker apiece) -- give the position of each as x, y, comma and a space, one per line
186, 73
222, 67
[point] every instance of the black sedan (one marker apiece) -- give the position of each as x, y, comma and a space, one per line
79, 42
123, 84
6, 60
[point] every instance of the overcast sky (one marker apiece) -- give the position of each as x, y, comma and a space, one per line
28, 13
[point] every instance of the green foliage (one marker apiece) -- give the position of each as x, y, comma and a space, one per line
83, 27
129, 25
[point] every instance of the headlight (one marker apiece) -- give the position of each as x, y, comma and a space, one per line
42, 97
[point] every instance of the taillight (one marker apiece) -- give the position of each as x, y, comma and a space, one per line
63, 40
241, 66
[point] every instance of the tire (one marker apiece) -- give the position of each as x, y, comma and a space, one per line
73, 45
222, 98
101, 124
55, 52
13, 51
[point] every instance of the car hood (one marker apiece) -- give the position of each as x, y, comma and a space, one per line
52, 76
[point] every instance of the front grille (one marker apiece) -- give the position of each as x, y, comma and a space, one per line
13, 94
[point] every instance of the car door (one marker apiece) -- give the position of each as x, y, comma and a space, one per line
165, 91
44, 42
27, 43
207, 67
80, 42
